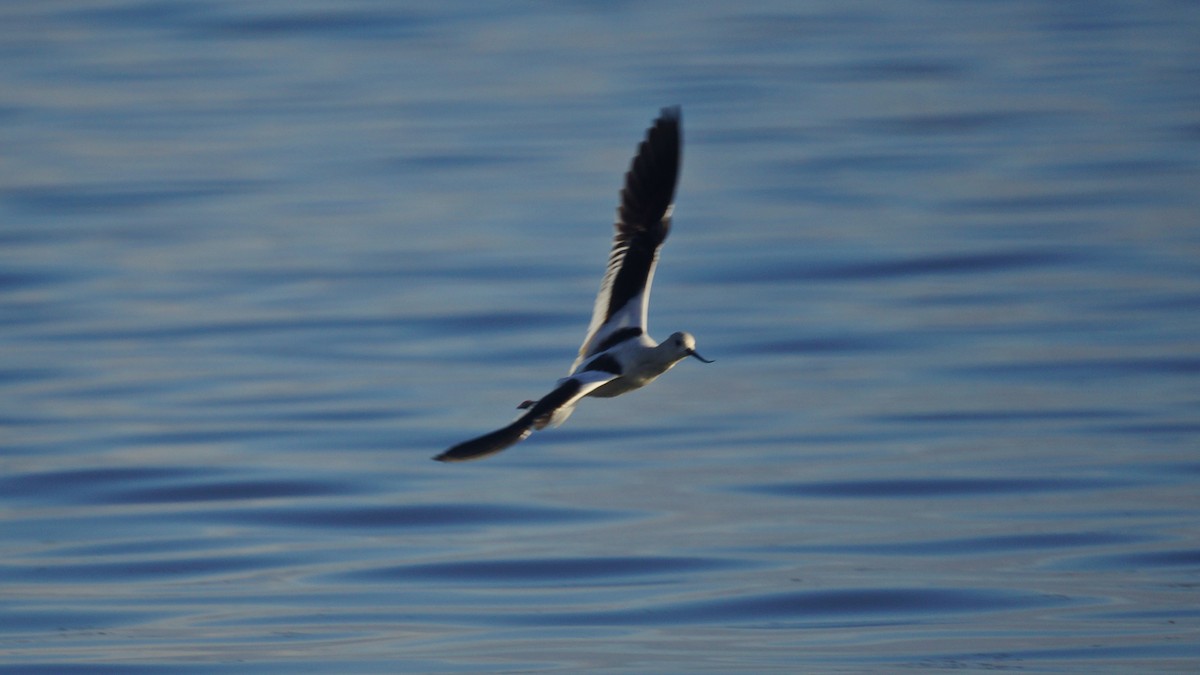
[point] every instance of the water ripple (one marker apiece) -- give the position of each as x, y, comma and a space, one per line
973, 546
932, 487
993, 415
226, 491
955, 122
945, 264
74, 486
296, 25
1188, 558
542, 571
808, 608
92, 198
160, 485
449, 515
144, 569
1086, 369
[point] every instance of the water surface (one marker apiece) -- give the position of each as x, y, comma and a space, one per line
258, 264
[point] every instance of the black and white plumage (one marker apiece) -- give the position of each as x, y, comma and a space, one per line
617, 355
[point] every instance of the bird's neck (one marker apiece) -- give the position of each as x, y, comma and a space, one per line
662, 358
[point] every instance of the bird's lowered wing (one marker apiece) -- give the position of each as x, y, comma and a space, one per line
556, 404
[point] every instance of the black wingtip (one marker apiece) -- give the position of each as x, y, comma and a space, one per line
488, 444
650, 182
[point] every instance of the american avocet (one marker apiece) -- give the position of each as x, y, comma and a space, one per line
617, 356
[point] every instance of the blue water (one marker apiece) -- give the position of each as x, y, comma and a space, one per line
260, 261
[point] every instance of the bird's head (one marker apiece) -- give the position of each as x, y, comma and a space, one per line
682, 345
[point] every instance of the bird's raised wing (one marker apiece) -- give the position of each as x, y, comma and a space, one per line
553, 408
643, 221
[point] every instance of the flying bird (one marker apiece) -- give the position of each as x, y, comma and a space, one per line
617, 355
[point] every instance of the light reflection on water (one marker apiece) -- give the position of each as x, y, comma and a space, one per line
259, 265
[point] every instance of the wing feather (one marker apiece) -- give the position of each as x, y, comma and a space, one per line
643, 222
553, 408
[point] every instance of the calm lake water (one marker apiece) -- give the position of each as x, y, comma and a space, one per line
260, 261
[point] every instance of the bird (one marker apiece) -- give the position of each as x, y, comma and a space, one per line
617, 355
